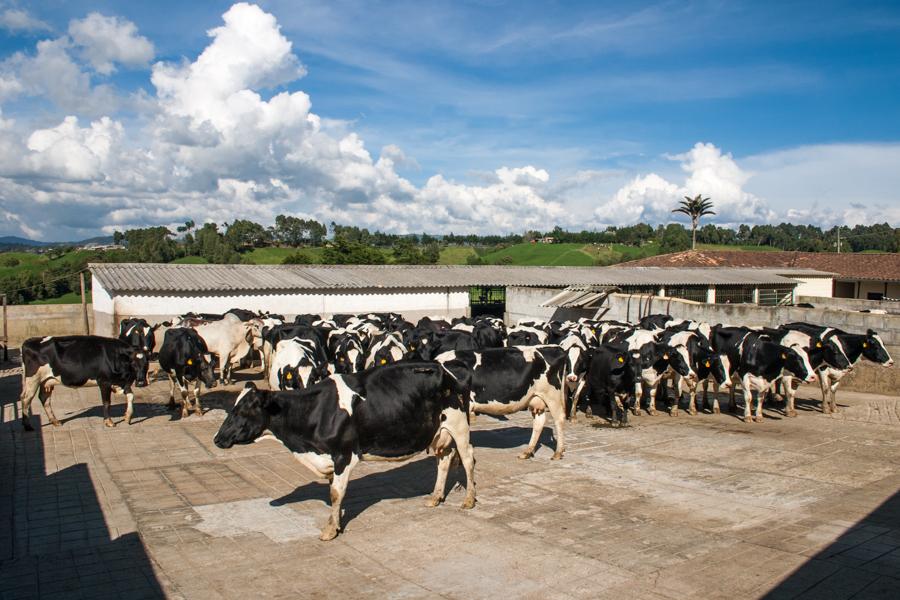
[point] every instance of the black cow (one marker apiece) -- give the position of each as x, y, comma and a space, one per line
612, 374
488, 335
389, 413
507, 380
185, 359
439, 343
73, 360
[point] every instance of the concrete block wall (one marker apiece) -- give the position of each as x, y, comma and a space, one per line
25, 321
851, 304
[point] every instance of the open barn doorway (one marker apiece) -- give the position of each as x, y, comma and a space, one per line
487, 300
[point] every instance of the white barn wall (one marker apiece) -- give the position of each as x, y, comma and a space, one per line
412, 304
813, 286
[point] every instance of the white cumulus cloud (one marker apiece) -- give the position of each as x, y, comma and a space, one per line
106, 41
16, 19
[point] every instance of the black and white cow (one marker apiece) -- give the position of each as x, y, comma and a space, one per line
185, 359
139, 333
508, 380
72, 361
855, 347
523, 335
296, 365
762, 363
613, 372
346, 353
385, 349
391, 413
702, 360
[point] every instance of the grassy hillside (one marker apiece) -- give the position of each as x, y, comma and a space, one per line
70, 298
455, 255
570, 255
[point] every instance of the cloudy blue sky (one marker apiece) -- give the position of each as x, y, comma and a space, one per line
445, 116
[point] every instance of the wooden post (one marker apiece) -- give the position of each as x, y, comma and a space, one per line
87, 324
5, 333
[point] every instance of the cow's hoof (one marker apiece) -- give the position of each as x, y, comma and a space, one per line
748, 419
526, 455
56, 423
673, 413
759, 419
556, 456
468, 503
693, 412
433, 501
108, 423
652, 413
716, 410
329, 533
792, 413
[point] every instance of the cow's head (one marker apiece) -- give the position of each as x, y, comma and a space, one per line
796, 361
140, 362
248, 418
873, 349
710, 363
290, 377
201, 365
349, 357
833, 354
387, 354
522, 338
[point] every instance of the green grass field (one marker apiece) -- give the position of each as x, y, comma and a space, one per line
563, 255
749, 248
455, 255
190, 260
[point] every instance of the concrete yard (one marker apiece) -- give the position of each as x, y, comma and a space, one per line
684, 507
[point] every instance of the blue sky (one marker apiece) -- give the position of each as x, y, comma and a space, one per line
463, 116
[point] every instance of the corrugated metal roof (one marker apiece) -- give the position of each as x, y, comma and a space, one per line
579, 296
164, 278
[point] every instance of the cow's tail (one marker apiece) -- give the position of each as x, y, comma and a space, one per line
460, 380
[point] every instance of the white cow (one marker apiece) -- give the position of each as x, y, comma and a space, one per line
230, 339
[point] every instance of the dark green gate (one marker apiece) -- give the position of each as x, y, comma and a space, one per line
487, 300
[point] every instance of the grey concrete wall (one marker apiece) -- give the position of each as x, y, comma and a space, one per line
851, 304
25, 321
522, 303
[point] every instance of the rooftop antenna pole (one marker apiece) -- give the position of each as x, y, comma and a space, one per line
839, 239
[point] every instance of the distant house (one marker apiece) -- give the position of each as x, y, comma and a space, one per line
547, 240
861, 276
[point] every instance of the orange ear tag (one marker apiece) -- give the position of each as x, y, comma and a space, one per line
708, 364
818, 344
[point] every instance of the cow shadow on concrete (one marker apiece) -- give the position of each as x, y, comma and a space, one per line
55, 541
504, 438
414, 479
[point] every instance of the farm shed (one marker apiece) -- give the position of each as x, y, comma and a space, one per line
160, 291
862, 276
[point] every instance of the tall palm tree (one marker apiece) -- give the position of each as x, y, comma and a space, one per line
695, 208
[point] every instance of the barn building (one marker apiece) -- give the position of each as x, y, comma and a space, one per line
159, 292
864, 276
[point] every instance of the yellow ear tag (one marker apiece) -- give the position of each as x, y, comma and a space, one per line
593, 331
411, 347
341, 360
865, 345
665, 357
383, 361
621, 360
288, 376
708, 364
190, 362
783, 356
818, 344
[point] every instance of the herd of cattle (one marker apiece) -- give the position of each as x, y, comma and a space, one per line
375, 386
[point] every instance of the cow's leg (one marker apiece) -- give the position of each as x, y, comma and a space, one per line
706, 393
732, 403
760, 400
171, 405
106, 398
45, 394
30, 387
823, 385
832, 389
444, 460
343, 466
457, 425
789, 393
652, 406
748, 400
198, 410
129, 408
539, 417
558, 414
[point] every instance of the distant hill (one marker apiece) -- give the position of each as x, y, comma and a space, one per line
14, 242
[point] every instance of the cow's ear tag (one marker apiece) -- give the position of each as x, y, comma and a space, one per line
411, 347
665, 357
341, 359
289, 376
818, 344
783, 356
621, 359
190, 361
383, 361
708, 364
865, 344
